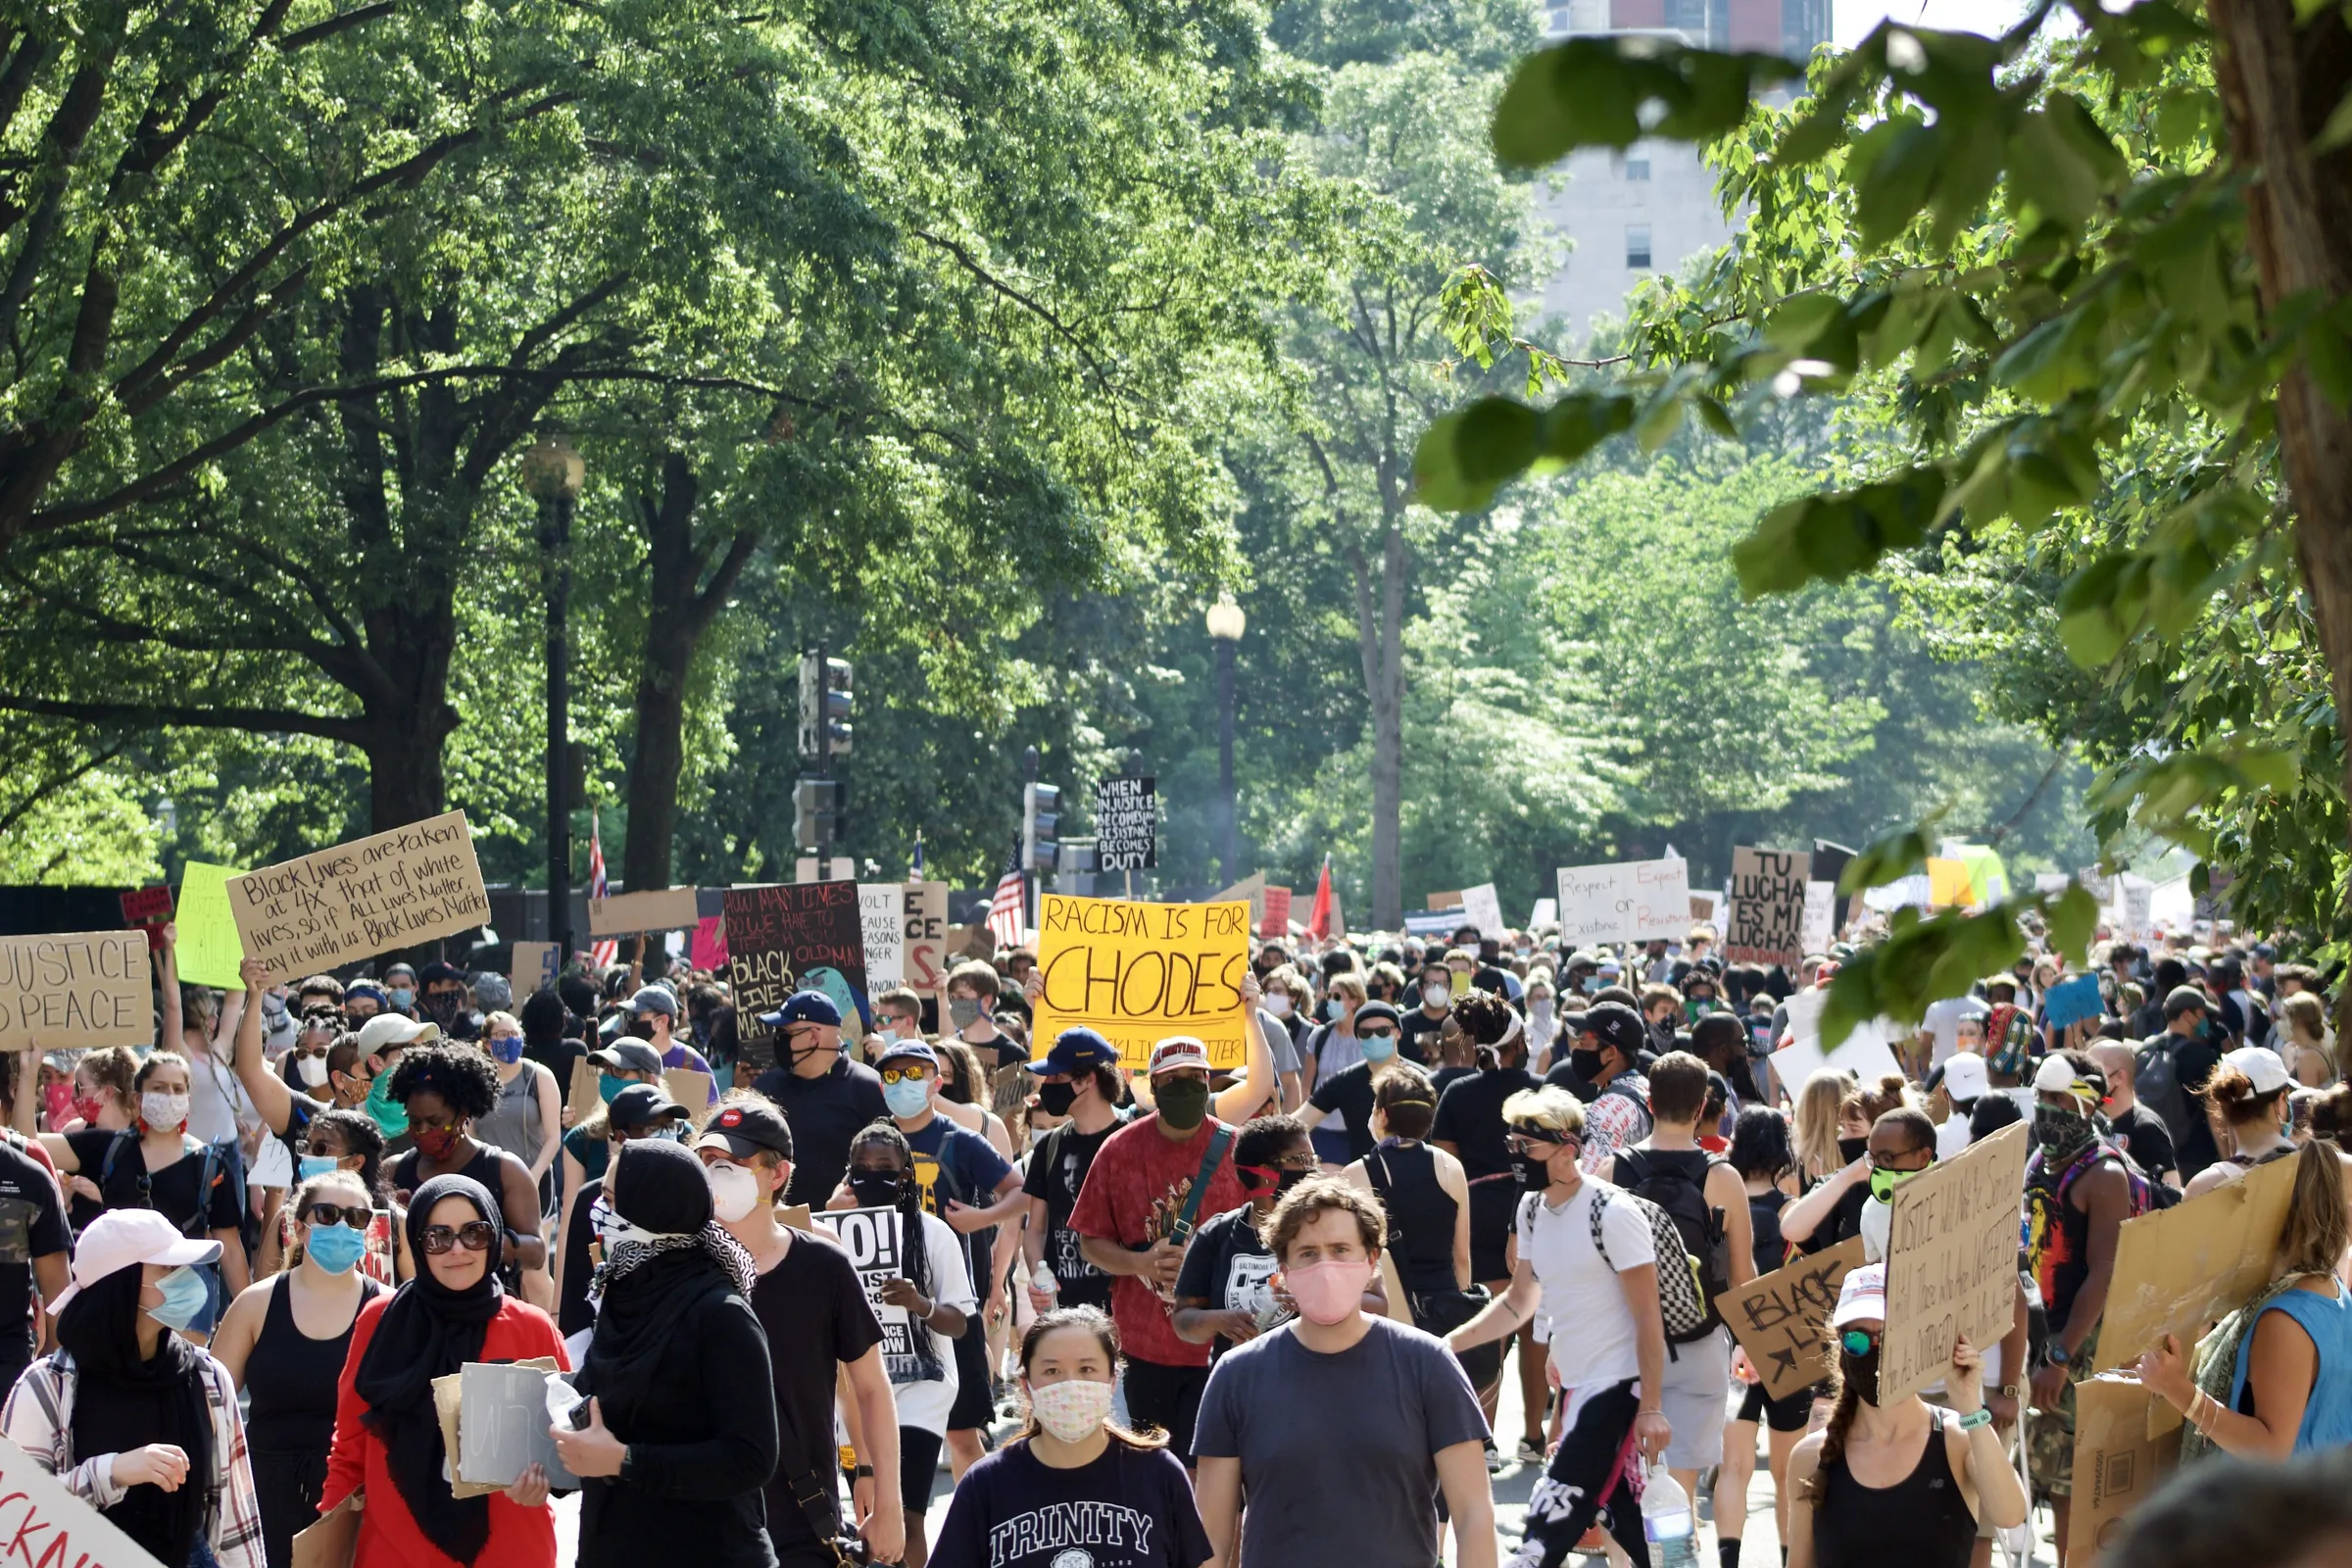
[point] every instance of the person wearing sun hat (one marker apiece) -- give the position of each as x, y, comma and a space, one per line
129, 1416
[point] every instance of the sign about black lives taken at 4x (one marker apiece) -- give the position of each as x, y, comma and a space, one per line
778, 939
370, 895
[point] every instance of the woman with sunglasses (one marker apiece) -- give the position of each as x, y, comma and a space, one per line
387, 1430
285, 1341
1901, 1484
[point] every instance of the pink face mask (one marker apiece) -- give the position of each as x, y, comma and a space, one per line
1327, 1293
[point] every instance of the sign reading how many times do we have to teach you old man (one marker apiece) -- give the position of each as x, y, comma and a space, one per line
1952, 1262
370, 895
1140, 972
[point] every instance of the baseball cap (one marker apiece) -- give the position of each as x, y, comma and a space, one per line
1862, 1296
2261, 1065
492, 993
387, 1030
1964, 1077
748, 1128
1617, 1025
1184, 1051
2058, 1076
122, 1237
802, 1006
653, 999
441, 969
1078, 1049
908, 1051
628, 1056
2185, 999
640, 1104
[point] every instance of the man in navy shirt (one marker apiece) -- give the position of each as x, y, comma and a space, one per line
823, 1094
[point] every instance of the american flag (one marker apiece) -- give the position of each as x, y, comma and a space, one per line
609, 949
1008, 914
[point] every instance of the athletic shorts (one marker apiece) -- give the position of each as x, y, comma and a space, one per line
1167, 1398
919, 1466
1588, 1481
1697, 1381
2050, 1434
1778, 1415
976, 1403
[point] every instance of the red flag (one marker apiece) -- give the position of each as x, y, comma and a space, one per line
1318, 923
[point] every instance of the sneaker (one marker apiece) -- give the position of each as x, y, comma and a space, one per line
1529, 1452
1494, 1459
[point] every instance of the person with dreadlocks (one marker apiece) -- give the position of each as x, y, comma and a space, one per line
671, 1455
1901, 1484
937, 1294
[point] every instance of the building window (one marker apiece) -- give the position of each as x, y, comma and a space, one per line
1636, 168
1637, 247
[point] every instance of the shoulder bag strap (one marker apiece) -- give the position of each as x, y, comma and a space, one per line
1218, 1141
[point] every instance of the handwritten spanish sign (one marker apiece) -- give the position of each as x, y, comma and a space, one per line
1126, 825
37, 1511
1952, 1262
876, 1242
1781, 1319
1768, 906
1141, 972
84, 989
1630, 900
370, 895
789, 935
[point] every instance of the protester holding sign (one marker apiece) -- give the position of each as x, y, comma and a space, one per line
152, 1418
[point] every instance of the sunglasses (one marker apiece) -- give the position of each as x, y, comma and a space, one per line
1860, 1341
341, 1214
893, 1075
476, 1236
1376, 1034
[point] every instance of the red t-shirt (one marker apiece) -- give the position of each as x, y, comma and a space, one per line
1134, 1191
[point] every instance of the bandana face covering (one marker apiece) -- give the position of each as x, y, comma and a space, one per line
2062, 1134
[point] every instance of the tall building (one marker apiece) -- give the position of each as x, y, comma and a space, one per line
1649, 208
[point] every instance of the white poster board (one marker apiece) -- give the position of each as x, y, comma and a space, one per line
36, 1512
1821, 915
1628, 900
1867, 1053
876, 1240
1484, 910
882, 910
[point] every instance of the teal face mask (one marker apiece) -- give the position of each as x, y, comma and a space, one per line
185, 1296
608, 1086
1378, 1047
336, 1248
314, 1165
390, 1115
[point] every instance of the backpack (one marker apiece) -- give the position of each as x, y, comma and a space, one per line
1698, 1223
1682, 1296
208, 1176
2157, 1084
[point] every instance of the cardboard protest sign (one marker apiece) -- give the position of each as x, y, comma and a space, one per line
1768, 906
1706, 909
1253, 888
876, 1240
1781, 1319
1821, 915
1126, 825
586, 1098
2178, 1269
370, 895
503, 1424
789, 935
37, 1511
1445, 900
210, 951
923, 912
1277, 921
2123, 1449
147, 909
87, 987
1951, 1260
2139, 906
627, 914
334, 1539
1140, 972
533, 966
1483, 908
2073, 1000
882, 919
692, 1089
1628, 900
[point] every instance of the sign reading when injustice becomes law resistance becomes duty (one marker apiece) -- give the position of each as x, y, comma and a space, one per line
370, 895
1141, 972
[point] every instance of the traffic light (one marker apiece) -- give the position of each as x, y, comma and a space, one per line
825, 705
1040, 811
819, 813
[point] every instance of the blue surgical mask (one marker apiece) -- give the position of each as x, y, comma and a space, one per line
185, 1296
1379, 1048
336, 1248
316, 1165
909, 1096
506, 1049
403, 998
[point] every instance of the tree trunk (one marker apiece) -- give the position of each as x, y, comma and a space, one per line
2278, 83
405, 782
1380, 644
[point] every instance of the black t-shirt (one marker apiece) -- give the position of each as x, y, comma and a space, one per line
1417, 1036
1842, 1223
815, 1310
559, 1059
825, 1113
1058, 1169
1563, 1075
1130, 1508
2195, 1061
1229, 1268
2147, 1139
32, 1224
169, 1192
1470, 1119
1348, 1092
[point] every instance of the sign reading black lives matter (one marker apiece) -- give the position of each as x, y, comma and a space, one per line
789, 936
1126, 825
1767, 923
370, 895
876, 1240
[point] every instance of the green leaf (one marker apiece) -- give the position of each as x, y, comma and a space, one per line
1495, 440
2050, 169
2072, 918
1437, 475
1577, 423
1898, 162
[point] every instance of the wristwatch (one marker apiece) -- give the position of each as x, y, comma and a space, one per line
2055, 1355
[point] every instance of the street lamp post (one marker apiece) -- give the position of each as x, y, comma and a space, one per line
1226, 622
552, 472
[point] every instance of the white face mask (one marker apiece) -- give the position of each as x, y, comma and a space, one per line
734, 1190
311, 1070
161, 1110
1435, 993
1071, 1410
1278, 1003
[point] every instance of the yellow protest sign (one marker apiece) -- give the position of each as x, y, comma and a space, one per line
210, 949
1140, 972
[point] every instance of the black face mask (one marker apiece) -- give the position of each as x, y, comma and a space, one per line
1850, 1149
1860, 1372
1533, 1174
1586, 1064
1056, 1099
877, 1189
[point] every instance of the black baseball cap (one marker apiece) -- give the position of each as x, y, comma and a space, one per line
1619, 1025
747, 1127
640, 1104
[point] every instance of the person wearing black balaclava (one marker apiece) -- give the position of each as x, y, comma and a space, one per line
671, 1454
387, 1430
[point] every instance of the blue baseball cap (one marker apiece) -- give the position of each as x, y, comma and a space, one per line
904, 1049
803, 1007
1077, 1049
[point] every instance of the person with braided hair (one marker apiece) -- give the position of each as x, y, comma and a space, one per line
445, 1089
1904, 1484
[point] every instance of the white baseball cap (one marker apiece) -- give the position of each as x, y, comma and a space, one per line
122, 1237
1964, 1078
1176, 1052
389, 1029
1863, 1295
2261, 1065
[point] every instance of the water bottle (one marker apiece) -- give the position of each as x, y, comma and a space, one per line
1667, 1523
1043, 1280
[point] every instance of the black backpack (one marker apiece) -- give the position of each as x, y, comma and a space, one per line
1666, 1184
2157, 1084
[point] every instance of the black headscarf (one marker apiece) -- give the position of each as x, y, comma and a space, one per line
124, 1402
428, 1332
650, 1282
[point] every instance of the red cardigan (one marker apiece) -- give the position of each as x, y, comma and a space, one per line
520, 1537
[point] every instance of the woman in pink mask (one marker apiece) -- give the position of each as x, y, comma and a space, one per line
1412, 1425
